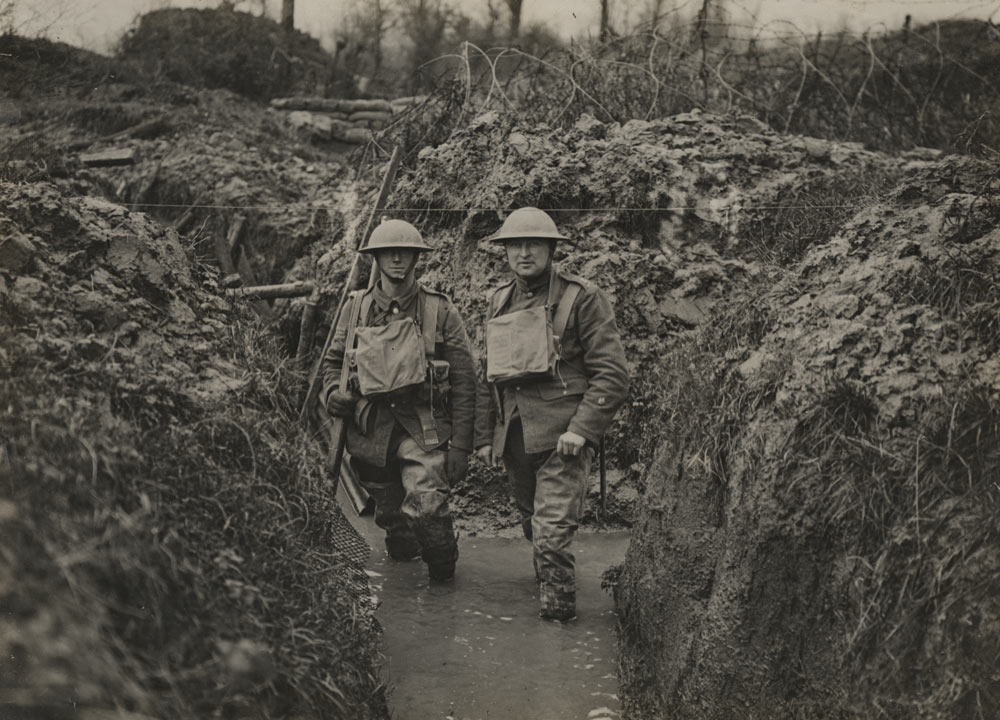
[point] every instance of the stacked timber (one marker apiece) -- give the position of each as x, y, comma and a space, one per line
350, 121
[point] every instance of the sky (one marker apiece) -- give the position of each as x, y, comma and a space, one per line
97, 24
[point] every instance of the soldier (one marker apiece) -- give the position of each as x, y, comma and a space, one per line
556, 374
410, 404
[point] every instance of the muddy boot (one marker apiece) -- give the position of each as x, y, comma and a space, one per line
440, 547
441, 562
402, 548
557, 604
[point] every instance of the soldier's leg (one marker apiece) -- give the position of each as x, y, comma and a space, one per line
521, 468
386, 489
559, 494
426, 504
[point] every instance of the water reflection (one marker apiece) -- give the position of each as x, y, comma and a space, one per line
476, 649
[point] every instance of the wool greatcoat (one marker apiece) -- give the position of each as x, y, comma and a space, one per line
403, 472
523, 420
369, 432
589, 387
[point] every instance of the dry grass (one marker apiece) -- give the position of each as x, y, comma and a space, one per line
203, 540
916, 509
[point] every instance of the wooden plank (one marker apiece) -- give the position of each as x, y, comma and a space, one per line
299, 288
108, 158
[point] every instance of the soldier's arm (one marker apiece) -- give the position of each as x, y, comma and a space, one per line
333, 359
462, 374
486, 411
603, 363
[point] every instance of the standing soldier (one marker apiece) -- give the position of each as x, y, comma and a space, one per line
410, 399
556, 375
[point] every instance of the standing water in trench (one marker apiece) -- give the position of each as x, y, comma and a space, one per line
475, 648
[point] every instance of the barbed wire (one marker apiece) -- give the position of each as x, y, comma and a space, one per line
671, 208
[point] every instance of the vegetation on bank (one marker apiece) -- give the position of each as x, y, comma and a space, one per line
171, 540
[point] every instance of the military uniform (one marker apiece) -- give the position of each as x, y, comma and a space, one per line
396, 463
523, 420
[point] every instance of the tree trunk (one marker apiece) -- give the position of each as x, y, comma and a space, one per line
288, 14
604, 20
515, 18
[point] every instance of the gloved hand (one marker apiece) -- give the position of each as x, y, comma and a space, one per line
340, 403
456, 465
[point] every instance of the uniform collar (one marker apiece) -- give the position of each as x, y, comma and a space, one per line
403, 302
535, 284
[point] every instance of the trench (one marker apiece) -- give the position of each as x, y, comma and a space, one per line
476, 649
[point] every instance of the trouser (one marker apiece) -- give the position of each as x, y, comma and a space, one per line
411, 501
549, 490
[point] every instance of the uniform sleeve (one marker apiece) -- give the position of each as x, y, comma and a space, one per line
462, 374
486, 411
333, 359
604, 365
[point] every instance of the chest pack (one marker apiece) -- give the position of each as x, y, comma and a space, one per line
398, 355
527, 343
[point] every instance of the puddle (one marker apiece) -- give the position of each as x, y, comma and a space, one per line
476, 649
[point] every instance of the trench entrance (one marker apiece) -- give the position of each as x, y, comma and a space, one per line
475, 649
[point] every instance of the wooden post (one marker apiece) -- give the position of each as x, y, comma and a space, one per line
270, 292
307, 326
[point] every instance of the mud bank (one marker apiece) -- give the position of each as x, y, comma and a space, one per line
824, 539
171, 547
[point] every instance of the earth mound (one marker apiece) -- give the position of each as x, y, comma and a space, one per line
818, 536
172, 544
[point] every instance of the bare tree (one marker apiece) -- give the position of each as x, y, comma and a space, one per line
515, 17
288, 14
425, 23
605, 27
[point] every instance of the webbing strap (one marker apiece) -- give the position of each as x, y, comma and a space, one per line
428, 322
366, 307
561, 318
501, 298
352, 325
427, 425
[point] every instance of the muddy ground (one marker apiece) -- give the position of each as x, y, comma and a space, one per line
808, 458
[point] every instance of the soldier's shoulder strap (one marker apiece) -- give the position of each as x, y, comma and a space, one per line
430, 301
583, 282
354, 306
560, 318
363, 305
499, 297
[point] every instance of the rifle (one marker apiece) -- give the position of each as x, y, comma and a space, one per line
337, 428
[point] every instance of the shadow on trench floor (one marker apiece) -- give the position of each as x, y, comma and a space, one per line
475, 649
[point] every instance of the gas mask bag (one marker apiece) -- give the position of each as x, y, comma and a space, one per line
389, 357
520, 345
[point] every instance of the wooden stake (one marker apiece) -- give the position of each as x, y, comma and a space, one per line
270, 292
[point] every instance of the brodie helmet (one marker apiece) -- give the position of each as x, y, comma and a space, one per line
528, 222
395, 234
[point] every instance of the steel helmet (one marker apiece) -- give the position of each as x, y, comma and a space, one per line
528, 222
395, 234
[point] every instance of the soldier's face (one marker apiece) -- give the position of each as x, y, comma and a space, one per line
528, 257
396, 263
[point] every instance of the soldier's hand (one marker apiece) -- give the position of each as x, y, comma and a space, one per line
456, 465
485, 453
340, 403
570, 443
